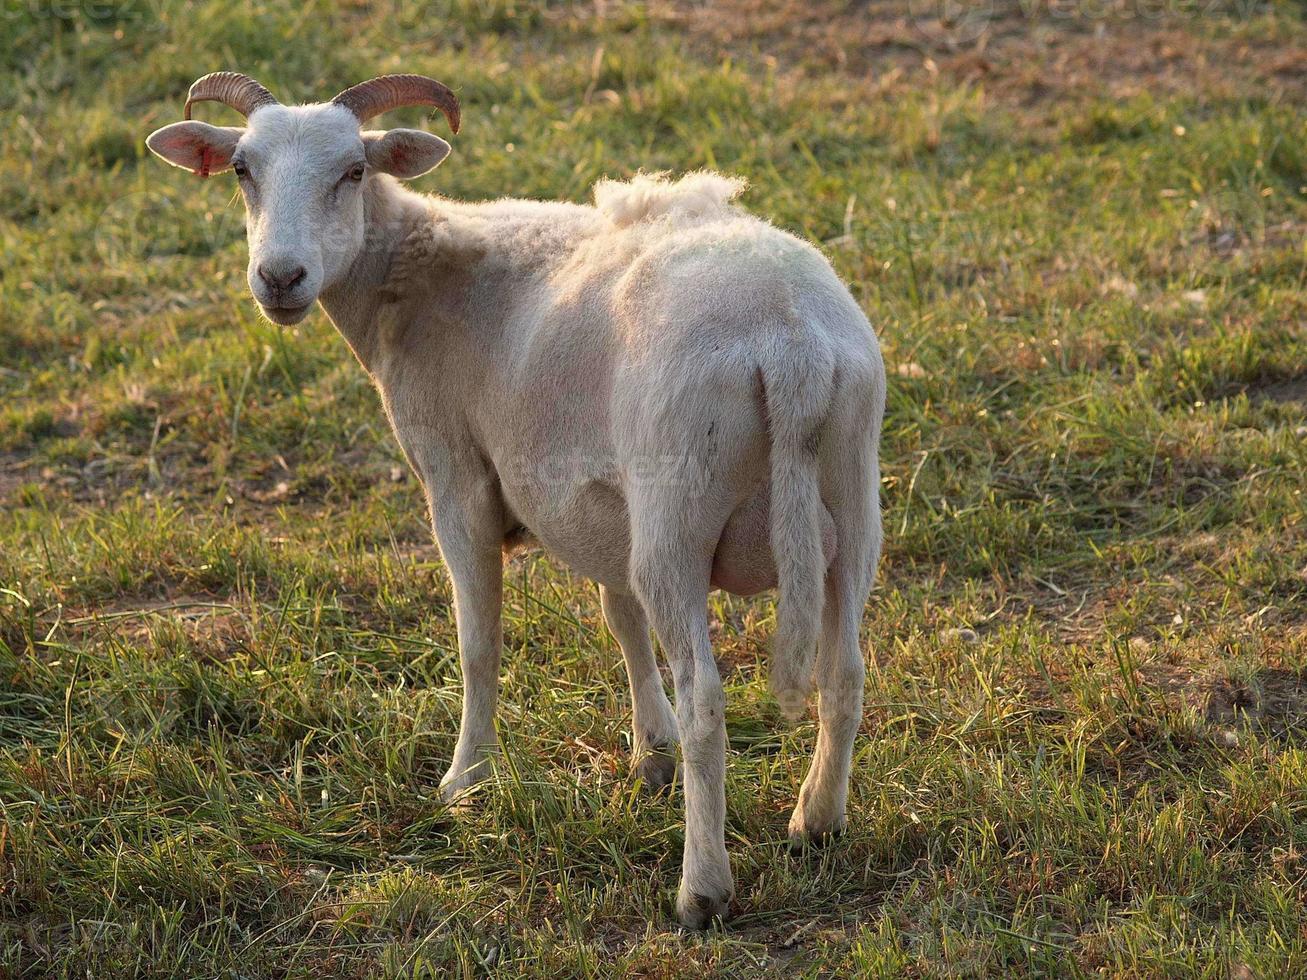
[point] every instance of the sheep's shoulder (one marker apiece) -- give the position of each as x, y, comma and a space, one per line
436, 244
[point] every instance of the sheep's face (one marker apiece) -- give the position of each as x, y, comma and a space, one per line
302, 171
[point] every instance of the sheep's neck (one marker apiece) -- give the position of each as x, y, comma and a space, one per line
354, 301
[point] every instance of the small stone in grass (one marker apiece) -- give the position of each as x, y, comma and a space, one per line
961, 634
910, 370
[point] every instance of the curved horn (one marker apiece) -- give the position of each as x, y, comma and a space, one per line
378, 95
231, 88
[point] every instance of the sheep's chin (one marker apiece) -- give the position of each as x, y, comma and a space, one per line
286, 316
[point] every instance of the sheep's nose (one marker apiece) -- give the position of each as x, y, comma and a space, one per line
281, 276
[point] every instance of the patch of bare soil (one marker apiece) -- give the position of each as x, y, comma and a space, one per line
1271, 697
206, 627
1022, 51
1289, 391
15, 471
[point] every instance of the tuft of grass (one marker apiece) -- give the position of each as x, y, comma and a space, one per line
228, 659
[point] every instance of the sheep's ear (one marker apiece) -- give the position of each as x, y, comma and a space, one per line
195, 146
404, 153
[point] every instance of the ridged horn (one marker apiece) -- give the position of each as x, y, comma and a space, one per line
231, 88
378, 95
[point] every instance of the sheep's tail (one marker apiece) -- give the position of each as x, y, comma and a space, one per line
797, 389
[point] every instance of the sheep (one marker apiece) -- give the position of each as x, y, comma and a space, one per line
667, 393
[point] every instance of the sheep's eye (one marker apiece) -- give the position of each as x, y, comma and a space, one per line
239, 168
355, 173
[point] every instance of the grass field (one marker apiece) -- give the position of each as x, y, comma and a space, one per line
228, 686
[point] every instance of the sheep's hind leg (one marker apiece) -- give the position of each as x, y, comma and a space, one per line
670, 575
851, 480
819, 812
653, 722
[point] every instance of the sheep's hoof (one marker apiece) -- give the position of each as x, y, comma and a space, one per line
456, 797
457, 786
806, 833
802, 843
699, 911
656, 770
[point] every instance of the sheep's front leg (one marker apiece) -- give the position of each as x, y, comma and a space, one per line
467, 519
477, 594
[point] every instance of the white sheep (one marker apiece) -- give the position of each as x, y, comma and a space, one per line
665, 392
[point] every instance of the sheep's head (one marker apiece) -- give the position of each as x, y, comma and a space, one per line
301, 171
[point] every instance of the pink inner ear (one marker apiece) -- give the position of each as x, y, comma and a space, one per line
203, 150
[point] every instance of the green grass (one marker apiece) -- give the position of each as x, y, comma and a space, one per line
227, 681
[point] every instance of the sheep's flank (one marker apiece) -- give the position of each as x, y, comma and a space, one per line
228, 681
